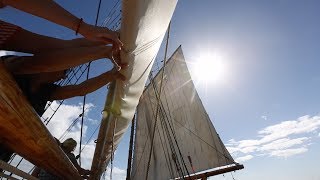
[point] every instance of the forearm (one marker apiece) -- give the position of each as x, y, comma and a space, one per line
46, 9
85, 87
95, 83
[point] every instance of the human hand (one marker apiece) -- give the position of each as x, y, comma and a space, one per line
101, 34
118, 75
116, 60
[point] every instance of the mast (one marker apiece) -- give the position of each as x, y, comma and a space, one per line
143, 27
130, 149
186, 139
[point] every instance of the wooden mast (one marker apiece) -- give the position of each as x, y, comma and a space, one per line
130, 150
22, 131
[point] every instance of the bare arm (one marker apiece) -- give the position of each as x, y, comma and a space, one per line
53, 12
85, 87
46, 9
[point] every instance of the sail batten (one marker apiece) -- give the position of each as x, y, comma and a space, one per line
186, 142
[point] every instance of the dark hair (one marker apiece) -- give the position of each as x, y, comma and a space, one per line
66, 71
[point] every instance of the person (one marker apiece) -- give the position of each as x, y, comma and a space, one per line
44, 48
40, 88
53, 12
52, 54
68, 146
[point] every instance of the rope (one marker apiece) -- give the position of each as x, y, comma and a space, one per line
163, 113
111, 13
82, 118
155, 123
170, 118
84, 97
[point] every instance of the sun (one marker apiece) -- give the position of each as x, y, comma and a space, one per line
210, 68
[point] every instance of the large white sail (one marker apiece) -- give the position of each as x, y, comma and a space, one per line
185, 141
143, 27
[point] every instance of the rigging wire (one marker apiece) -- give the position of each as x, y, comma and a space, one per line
47, 120
85, 96
195, 134
171, 143
158, 105
215, 148
67, 81
111, 13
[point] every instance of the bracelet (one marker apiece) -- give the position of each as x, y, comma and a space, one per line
78, 26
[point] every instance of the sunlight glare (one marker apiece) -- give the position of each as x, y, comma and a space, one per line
210, 68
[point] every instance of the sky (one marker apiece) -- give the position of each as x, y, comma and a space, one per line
264, 104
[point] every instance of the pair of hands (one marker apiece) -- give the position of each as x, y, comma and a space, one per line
106, 36
101, 34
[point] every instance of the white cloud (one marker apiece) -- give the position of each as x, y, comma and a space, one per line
64, 118
282, 144
304, 124
288, 152
279, 140
58, 125
244, 158
264, 117
117, 173
93, 121
232, 149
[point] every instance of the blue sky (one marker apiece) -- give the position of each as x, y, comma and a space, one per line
265, 106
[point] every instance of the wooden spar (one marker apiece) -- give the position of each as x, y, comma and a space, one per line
99, 159
22, 131
143, 26
214, 172
130, 149
14, 170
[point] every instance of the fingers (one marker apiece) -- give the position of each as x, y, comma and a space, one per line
118, 75
123, 65
101, 34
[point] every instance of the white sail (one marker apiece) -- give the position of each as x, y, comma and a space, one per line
143, 27
185, 140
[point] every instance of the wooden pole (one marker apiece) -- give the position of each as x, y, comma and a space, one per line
215, 172
130, 150
22, 131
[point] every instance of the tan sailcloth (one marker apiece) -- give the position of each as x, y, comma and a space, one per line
22, 131
185, 141
143, 27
